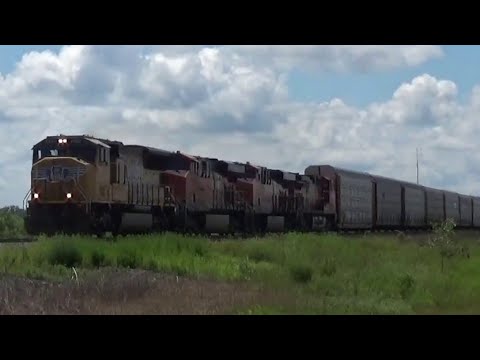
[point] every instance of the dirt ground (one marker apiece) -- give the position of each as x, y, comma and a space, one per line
126, 292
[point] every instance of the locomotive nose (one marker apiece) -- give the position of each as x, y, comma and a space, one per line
57, 179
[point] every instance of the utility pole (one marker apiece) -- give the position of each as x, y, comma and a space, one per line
417, 166
419, 152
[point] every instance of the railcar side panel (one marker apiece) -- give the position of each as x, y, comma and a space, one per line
388, 202
452, 206
476, 211
466, 211
200, 193
309, 194
414, 206
263, 195
435, 206
355, 206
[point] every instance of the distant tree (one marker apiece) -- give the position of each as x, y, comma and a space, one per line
13, 209
11, 221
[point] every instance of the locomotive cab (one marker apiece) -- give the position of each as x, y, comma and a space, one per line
70, 174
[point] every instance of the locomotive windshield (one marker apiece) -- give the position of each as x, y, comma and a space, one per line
81, 151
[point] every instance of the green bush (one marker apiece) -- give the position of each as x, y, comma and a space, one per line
301, 273
64, 253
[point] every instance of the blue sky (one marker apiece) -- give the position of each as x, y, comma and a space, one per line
460, 64
281, 106
11, 54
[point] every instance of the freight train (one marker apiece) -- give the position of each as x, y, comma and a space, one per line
84, 184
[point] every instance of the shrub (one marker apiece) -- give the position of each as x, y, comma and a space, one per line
301, 273
63, 253
444, 241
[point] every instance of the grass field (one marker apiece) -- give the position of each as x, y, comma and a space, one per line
284, 274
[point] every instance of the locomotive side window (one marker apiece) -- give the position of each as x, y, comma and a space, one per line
103, 155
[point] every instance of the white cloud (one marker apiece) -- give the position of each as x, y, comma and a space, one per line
342, 57
232, 102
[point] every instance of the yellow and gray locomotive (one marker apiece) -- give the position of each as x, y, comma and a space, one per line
82, 184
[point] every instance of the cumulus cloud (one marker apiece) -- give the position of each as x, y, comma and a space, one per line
232, 102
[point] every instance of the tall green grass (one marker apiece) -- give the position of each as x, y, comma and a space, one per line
318, 274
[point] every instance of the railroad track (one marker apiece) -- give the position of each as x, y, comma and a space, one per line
220, 237
14, 240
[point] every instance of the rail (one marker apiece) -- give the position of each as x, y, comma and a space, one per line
16, 240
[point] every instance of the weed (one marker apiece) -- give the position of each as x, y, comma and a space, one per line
64, 253
301, 273
246, 270
128, 260
326, 273
407, 286
328, 268
98, 259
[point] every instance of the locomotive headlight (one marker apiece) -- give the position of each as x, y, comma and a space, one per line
69, 195
62, 141
35, 196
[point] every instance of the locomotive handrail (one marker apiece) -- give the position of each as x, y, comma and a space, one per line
87, 200
25, 199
